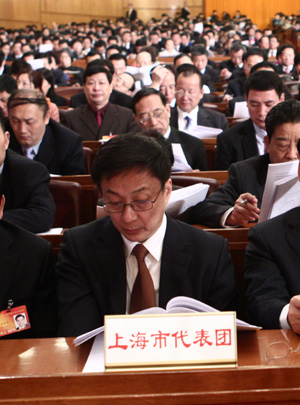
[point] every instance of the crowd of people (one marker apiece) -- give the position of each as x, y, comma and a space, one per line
155, 108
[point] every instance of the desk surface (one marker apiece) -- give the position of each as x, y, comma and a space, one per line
49, 370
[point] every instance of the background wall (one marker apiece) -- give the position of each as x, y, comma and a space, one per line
260, 11
19, 13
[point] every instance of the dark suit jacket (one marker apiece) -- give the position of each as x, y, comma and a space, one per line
116, 97
132, 16
235, 144
193, 148
272, 271
92, 272
206, 117
246, 176
28, 278
117, 120
227, 64
236, 87
28, 201
60, 151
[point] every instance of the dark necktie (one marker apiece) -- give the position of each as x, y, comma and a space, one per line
188, 122
143, 293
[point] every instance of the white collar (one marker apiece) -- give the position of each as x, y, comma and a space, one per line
154, 244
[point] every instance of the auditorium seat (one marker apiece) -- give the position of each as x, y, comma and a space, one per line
187, 180
68, 200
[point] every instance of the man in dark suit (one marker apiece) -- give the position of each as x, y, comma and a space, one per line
227, 67
151, 111
238, 201
189, 93
116, 97
263, 90
98, 275
25, 185
40, 138
200, 60
236, 86
285, 57
99, 117
131, 13
27, 277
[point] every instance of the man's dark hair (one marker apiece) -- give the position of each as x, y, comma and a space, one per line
255, 51
2, 122
117, 56
28, 96
93, 70
18, 65
264, 64
282, 113
8, 84
264, 80
146, 92
68, 51
103, 63
236, 47
125, 152
19, 316
188, 70
99, 43
199, 50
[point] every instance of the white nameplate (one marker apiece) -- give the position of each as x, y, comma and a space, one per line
170, 340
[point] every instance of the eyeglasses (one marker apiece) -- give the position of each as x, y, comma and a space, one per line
147, 117
190, 93
140, 205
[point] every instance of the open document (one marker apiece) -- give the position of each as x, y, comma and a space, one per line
177, 305
201, 132
185, 197
282, 190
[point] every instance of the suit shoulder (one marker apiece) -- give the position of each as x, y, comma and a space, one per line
120, 109
238, 129
190, 138
18, 162
25, 238
61, 132
194, 235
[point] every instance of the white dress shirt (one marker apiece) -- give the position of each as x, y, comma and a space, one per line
182, 121
154, 246
260, 135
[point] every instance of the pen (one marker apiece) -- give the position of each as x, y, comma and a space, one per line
244, 201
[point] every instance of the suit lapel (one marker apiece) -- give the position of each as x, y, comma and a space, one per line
174, 263
293, 232
249, 143
110, 258
8, 266
174, 117
203, 118
89, 120
110, 116
47, 149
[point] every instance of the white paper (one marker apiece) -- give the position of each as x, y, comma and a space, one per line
241, 110
141, 73
36, 63
43, 48
53, 231
286, 196
180, 162
276, 172
95, 361
175, 305
185, 197
201, 132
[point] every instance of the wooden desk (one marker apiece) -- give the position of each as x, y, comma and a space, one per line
39, 371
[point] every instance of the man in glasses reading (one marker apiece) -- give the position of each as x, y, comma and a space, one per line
137, 257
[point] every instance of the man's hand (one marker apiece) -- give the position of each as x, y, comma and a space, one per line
293, 316
225, 74
245, 210
158, 74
